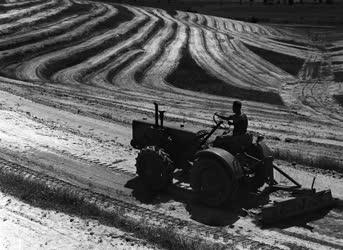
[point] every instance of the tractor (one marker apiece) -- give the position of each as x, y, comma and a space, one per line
217, 173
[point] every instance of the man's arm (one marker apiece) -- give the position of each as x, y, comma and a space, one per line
226, 118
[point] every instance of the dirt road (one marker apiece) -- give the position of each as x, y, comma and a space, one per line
95, 154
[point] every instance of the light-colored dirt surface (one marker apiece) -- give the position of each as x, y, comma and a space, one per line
23, 226
70, 88
64, 145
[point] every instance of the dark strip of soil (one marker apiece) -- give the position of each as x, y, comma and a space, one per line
111, 23
338, 76
4, 8
336, 49
111, 74
339, 99
189, 75
76, 8
291, 42
141, 72
20, 27
290, 64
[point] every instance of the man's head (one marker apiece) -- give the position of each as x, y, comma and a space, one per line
236, 107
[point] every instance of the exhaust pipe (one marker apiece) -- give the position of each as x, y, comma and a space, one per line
156, 114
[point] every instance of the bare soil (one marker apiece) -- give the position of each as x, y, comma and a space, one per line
28, 226
69, 94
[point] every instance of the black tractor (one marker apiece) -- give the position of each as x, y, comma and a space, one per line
216, 171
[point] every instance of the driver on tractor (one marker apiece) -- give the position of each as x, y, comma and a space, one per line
239, 139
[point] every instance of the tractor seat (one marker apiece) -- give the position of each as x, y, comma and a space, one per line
234, 144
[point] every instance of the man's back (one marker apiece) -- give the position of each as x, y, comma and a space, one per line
240, 123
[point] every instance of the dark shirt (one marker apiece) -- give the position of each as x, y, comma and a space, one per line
240, 123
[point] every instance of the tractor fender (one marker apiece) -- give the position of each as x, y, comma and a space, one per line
226, 158
265, 150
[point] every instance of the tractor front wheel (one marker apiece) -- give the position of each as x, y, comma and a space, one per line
155, 168
212, 182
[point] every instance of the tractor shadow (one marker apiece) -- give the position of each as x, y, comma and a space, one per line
298, 221
146, 195
225, 215
304, 220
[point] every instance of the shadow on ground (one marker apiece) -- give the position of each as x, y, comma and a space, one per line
226, 215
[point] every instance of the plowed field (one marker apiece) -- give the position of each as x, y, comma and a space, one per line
74, 74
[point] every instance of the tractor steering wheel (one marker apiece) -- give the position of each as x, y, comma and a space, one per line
220, 122
204, 135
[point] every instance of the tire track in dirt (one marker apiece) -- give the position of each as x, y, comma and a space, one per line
274, 237
283, 237
187, 229
316, 87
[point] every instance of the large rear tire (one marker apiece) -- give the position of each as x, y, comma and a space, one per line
155, 168
261, 174
212, 182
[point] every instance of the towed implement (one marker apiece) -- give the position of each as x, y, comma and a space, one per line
218, 172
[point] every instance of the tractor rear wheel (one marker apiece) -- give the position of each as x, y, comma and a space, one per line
261, 173
155, 168
212, 182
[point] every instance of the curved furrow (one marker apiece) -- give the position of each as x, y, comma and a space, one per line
168, 61
220, 24
122, 38
237, 31
188, 17
230, 82
18, 5
180, 15
12, 14
50, 19
171, 27
103, 78
158, 74
72, 17
226, 24
18, 56
40, 20
76, 54
268, 72
56, 52
131, 75
210, 22
336, 56
16, 13
129, 52
265, 48
200, 19
42, 11
267, 67
235, 65
201, 56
